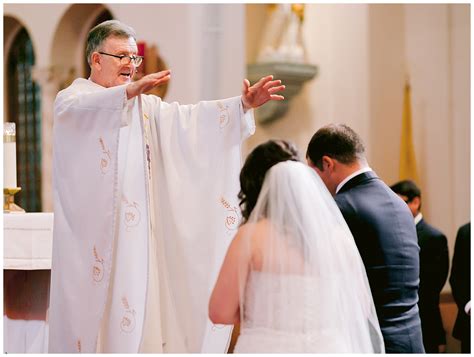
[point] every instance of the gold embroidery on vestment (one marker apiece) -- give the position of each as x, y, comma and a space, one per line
127, 324
131, 214
224, 115
232, 219
97, 267
105, 157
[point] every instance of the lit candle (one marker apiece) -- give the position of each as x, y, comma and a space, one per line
9, 155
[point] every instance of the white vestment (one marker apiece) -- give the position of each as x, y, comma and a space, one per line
145, 203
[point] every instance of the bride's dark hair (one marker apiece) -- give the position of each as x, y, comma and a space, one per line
258, 162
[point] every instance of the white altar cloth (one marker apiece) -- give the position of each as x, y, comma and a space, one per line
28, 241
27, 246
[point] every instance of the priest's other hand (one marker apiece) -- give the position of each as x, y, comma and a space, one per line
148, 82
261, 92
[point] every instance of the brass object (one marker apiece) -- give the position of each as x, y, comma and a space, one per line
9, 138
9, 205
298, 9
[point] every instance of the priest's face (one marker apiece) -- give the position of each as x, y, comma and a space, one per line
109, 71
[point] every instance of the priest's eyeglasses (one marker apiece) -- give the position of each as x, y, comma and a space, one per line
125, 59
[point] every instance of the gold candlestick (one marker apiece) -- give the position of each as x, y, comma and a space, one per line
9, 205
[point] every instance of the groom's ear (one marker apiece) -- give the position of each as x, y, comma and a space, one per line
328, 163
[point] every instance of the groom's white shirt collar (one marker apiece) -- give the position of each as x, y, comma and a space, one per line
418, 218
354, 174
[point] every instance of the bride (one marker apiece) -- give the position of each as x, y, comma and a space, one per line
292, 275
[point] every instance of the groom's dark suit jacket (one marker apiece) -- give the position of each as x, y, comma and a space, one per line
385, 234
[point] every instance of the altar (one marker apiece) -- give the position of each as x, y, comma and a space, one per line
27, 250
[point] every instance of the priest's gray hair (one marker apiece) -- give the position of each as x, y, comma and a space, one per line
104, 30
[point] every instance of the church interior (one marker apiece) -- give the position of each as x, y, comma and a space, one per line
342, 63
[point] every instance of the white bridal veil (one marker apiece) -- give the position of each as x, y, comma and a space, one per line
306, 282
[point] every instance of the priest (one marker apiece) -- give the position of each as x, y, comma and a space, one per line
145, 203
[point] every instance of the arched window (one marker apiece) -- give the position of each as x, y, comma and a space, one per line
25, 110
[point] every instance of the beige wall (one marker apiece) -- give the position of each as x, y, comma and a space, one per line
438, 53
364, 53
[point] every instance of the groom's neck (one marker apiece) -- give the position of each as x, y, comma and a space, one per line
345, 170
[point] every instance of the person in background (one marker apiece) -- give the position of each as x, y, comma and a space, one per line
460, 281
434, 267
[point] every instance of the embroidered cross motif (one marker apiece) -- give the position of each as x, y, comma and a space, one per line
232, 219
224, 115
105, 157
97, 267
127, 324
131, 214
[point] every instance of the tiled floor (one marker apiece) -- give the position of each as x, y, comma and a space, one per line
449, 312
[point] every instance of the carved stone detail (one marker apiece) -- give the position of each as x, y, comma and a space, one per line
53, 78
292, 75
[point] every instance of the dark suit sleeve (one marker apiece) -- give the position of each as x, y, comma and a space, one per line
460, 279
443, 262
461, 282
441, 274
434, 267
435, 264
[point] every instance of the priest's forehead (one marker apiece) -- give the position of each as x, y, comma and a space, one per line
117, 44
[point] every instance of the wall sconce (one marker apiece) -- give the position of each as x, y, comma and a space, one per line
292, 75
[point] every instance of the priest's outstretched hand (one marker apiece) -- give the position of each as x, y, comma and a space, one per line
261, 92
148, 82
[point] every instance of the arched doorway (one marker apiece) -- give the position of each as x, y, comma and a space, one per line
68, 51
24, 109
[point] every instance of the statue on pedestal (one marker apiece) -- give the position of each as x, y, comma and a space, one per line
282, 40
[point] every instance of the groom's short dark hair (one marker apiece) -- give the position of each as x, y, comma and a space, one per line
338, 141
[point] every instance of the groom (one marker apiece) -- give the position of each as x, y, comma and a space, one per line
383, 230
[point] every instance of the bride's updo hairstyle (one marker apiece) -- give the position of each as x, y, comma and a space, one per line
258, 162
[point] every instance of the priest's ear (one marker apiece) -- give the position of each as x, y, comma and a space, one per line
96, 60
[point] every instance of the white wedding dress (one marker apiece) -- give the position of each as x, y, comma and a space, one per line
293, 329
304, 288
